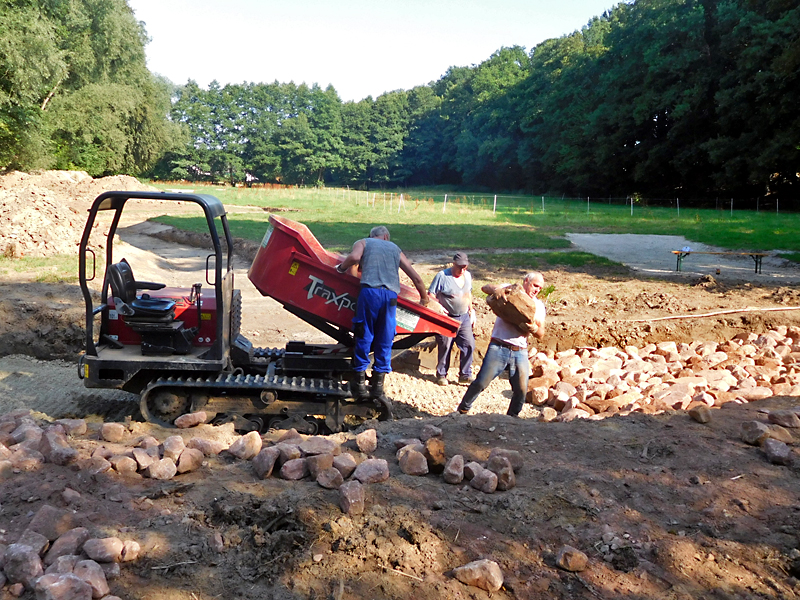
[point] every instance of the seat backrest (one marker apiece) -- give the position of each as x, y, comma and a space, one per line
123, 285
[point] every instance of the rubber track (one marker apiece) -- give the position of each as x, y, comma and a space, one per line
255, 383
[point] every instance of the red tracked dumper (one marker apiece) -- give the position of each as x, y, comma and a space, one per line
181, 350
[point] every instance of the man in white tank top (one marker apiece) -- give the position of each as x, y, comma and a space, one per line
508, 349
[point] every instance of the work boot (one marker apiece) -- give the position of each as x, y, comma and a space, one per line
361, 391
377, 385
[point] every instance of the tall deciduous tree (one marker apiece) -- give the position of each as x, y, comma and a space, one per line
757, 146
74, 88
487, 143
387, 135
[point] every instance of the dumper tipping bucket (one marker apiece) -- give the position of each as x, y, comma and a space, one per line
293, 268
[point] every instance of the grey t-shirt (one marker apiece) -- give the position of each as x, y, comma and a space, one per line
380, 264
454, 299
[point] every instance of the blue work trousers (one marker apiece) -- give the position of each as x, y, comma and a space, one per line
497, 359
374, 325
464, 341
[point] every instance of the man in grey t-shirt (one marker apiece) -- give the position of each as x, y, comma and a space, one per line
452, 289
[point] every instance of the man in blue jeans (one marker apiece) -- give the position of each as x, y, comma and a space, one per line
508, 349
375, 322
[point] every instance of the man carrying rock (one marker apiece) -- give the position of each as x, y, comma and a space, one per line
375, 322
452, 290
508, 349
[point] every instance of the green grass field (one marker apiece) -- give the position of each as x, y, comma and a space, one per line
469, 221
52, 269
542, 260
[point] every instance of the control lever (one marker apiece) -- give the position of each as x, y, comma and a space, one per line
195, 297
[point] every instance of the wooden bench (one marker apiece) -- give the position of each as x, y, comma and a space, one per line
756, 256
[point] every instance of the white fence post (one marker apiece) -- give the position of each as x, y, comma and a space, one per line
494, 206
445, 204
587, 205
542, 204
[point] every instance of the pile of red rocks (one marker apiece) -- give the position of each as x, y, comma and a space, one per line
59, 560
149, 457
25, 445
426, 454
321, 458
774, 437
598, 382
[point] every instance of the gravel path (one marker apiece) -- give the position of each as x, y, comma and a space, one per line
53, 388
651, 254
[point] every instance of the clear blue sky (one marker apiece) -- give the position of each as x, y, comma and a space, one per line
361, 47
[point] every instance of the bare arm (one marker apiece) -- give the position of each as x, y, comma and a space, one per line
536, 329
405, 265
353, 258
434, 305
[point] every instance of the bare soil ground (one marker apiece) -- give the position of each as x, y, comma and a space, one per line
663, 506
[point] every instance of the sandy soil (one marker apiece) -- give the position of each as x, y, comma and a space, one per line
692, 511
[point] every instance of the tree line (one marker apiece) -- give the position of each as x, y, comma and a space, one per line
690, 98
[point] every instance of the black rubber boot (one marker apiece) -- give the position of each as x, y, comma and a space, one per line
361, 391
377, 385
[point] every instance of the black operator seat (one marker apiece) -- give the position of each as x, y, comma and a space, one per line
143, 309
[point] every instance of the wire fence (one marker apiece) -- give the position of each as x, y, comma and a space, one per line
543, 203
399, 201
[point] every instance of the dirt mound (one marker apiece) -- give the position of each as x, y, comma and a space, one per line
659, 300
246, 249
784, 295
43, 214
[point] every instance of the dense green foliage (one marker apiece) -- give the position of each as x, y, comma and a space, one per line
662, 98
75, 91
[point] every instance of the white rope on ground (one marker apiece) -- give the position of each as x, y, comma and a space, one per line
712, 314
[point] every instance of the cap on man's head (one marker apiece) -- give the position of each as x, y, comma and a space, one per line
461, 259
